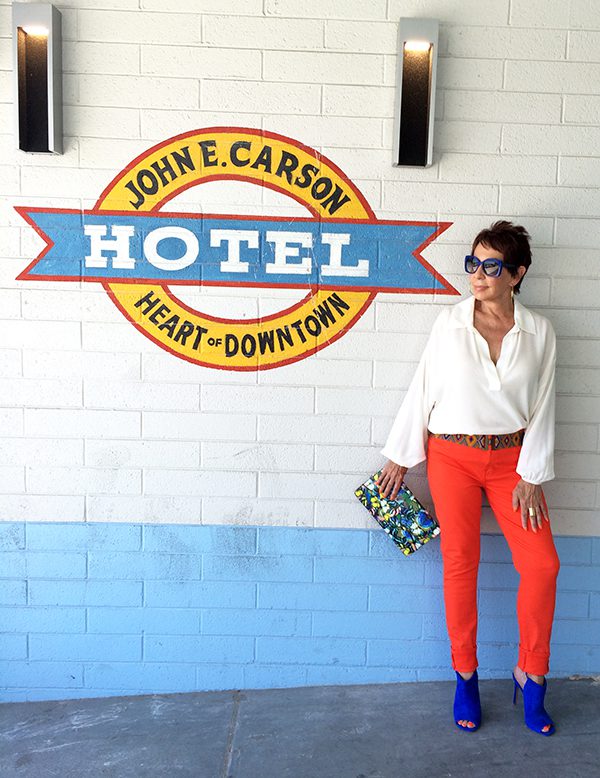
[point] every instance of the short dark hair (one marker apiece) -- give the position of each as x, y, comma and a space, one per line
512, 241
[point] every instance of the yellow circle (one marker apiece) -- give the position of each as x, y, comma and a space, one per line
235, 154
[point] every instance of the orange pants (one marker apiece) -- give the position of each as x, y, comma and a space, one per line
457, 474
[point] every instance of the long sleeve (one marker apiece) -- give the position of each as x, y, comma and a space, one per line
536, 461
406, 443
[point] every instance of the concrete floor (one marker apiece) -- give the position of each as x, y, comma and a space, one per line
387, 731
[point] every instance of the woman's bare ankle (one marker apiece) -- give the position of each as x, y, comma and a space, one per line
521, 675
539, 679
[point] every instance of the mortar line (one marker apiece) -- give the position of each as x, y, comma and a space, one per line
233, 723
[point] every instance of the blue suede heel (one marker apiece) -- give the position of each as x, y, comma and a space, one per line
536, 715
467, 705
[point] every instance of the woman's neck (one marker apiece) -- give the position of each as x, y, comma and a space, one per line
501, 309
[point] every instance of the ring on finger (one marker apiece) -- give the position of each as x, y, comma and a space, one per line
532, 511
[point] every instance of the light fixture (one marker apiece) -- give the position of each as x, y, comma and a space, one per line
37, 48
415, 92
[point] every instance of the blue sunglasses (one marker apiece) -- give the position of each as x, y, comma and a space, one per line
491, 267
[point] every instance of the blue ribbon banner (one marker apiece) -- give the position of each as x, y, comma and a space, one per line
194, 249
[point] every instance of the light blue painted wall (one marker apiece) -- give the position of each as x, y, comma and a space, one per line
106, 609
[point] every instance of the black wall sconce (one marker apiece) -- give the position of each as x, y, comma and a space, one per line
37, 47
415, 92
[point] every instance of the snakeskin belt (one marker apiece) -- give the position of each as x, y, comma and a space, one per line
484, 442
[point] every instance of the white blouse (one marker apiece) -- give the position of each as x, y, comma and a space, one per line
457, 389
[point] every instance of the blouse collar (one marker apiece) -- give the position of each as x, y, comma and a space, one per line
461, 315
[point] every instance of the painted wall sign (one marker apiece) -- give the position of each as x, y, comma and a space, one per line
341, 254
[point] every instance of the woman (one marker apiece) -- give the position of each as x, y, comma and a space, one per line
480, 409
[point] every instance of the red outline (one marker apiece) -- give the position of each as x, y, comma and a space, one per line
22, 209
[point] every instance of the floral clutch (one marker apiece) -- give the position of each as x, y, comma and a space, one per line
405, 520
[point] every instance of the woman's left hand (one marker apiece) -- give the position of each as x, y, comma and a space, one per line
532, 502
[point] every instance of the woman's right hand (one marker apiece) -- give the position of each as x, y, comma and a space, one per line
391, 479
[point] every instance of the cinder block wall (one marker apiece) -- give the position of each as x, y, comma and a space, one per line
169, 527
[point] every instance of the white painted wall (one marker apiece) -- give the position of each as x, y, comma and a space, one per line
97, 423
